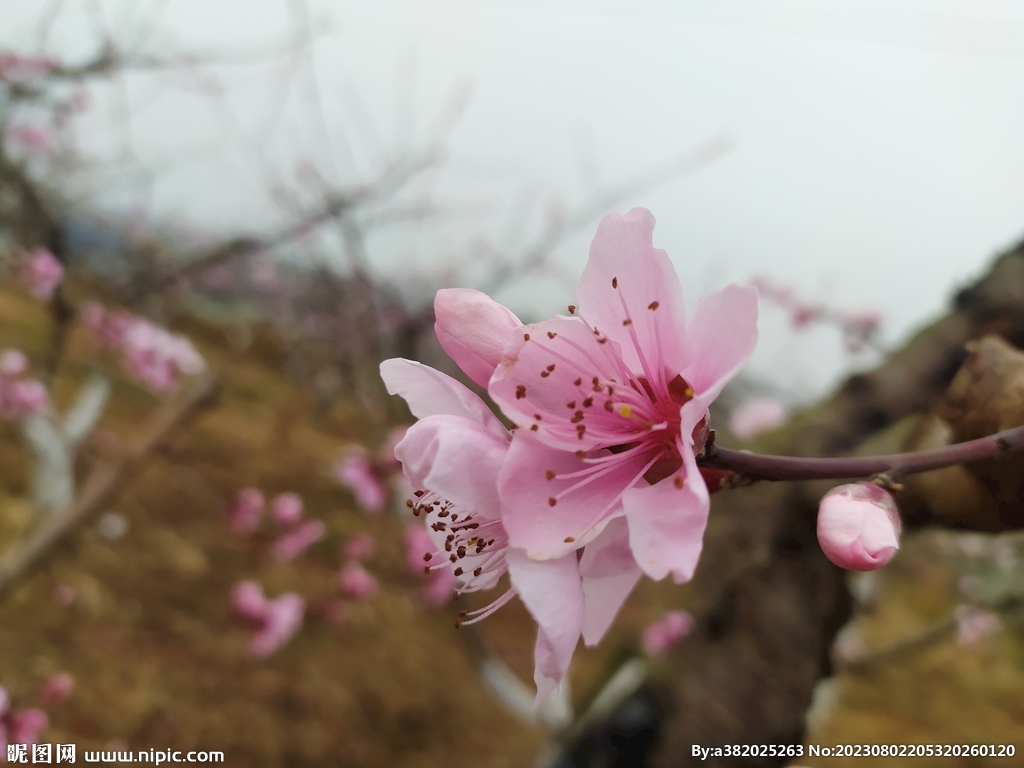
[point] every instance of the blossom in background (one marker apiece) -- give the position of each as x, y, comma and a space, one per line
859, 526
664, 633
21, 727
286, 508
298, 539
359, 547
278, 619
57, 688
757, 415
246, 511
19, 68
974, 624
148, 352
355, 472
40, 273
356, 581
19, 396
30, 137
441, 583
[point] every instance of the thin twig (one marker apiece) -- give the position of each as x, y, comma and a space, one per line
105, 480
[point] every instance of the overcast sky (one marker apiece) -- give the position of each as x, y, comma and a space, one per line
878, 147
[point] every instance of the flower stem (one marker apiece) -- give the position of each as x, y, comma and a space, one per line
754, 466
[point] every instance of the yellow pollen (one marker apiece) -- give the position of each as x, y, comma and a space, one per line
689, 392
625, 410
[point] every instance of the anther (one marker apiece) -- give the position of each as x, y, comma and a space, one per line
526, 337
678, 482
550, 474
653, 305
426, 557
615, 282
551, 368
534, 428
571, 404
552, 501
551, 334
608, 406
627, 321
588, 402
520, 392
570, 539
417, 494
580, 429
572, 309
577, 382
458, 571
477, 571
408, 503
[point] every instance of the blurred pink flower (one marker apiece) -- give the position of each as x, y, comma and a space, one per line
65, 594
40, 272
158, 357
248, 599
247, 510
30, 137
441, 582
281, 620
859, 526
19, 68
660, 636
57, 688
24, 727
286, 508
356, 473
974, 624
356, 581
13, 362
359, 547
298, 539
756, 415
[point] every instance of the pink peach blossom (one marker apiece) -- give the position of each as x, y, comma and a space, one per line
40, 272
757, 415
281, 620
24, 727
356, 581
13, 363
858, 526
661, 635
355, 472
19, 396
473, 330
248, 599
298, 539
360, 547
19, 68
612, 407
30, 137
286, 508
57, 688
247, 510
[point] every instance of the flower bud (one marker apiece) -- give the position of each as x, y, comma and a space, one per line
858, 526
473, 330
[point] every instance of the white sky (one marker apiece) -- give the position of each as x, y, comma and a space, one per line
879, 145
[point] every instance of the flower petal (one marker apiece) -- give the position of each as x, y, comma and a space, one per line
553, 380
430, 392
473, 330
532, 476
456, 458
723, 332
553, 594
609, 574
627, 278
667, 519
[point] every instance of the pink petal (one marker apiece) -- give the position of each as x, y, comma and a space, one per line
456, 458
622, 252
546, 384
429, 392
473, 330
547, 530
282, 620
248, 599
356, 581
723, 332
356, 473
553, 593
293, 543
667, 519
660, 636
609, 574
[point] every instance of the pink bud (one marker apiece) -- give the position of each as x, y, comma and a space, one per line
667, 631
247, 509
356, 580
356, 473
57, 688
473, 329
13, 362
286, 508
858, 526
282, 619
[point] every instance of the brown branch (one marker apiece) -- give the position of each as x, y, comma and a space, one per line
106, 480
